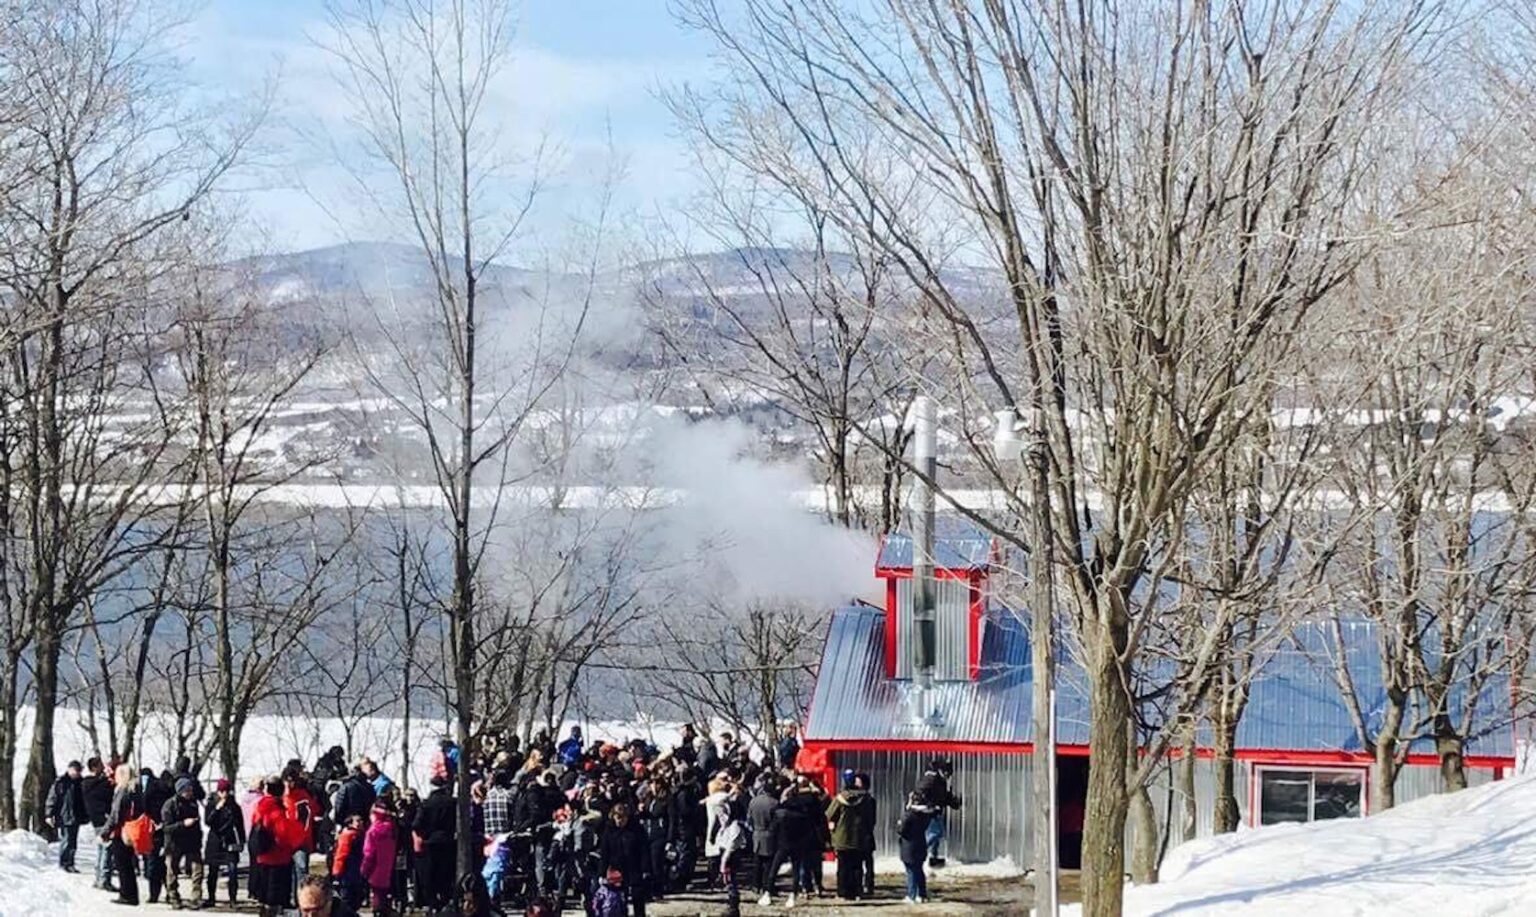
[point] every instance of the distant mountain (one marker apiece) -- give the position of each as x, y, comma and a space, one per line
363, 270
354, 270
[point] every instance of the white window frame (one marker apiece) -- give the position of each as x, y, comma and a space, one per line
1256, 813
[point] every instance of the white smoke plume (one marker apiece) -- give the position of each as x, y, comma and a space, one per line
745, 521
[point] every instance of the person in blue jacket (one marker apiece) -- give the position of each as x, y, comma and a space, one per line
569, 752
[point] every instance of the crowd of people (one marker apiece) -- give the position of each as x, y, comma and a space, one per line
610, 826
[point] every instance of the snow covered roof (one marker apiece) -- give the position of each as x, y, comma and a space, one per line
1294, 704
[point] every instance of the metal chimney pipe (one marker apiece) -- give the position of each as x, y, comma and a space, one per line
925, 458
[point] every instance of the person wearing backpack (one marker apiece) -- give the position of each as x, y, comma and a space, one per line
127, 807
852, 815
272, 840
226, 838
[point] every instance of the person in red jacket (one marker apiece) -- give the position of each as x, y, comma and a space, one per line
301, 806
273, 838
347, 863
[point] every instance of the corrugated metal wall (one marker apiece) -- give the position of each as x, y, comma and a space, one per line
951, 630
1165, 792
1416, 781
994, 820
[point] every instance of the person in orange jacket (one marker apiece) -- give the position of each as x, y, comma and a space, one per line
273, 838
347, 863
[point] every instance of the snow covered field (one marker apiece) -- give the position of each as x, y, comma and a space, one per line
1472, 854
270, 741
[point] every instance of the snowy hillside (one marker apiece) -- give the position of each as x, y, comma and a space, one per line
1472, 854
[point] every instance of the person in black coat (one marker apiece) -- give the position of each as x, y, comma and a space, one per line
624, 847
688, 820
534, 813
760, 816
798, 825
155, 791
127, 805
355, 797
655, 814
96, 790
933, 792
437, 827
912, 832
66, 813
181, 825
226, 838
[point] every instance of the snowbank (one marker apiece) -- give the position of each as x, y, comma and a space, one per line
1470, 854
1000, 868
32, 886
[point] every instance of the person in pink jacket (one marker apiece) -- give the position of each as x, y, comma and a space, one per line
379, 858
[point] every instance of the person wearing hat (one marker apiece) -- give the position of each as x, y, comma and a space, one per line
66, 813
183, 828
226, 838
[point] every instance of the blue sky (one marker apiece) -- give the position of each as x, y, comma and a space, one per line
589, 66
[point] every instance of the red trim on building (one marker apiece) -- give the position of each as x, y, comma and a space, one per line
939, 572
890, 628
1264, 756
973, 648
918, 746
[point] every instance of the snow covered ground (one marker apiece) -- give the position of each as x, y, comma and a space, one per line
1468, 855
30, 886
1472, 854
270, 741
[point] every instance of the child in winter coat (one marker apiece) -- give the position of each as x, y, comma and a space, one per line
378, 864
913, 832
498, 862
347, 862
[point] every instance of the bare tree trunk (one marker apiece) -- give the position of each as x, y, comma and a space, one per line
1184, 784
1109, 735
1143, 818
1225, 817
1451, 748
1144, 855
8, 738
40, 766
1384, 776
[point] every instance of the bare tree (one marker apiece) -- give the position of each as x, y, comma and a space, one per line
238, 369
420, 77
118, 159
811, 334
1165, 192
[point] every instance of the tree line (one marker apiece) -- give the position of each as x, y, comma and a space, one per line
1251, 282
